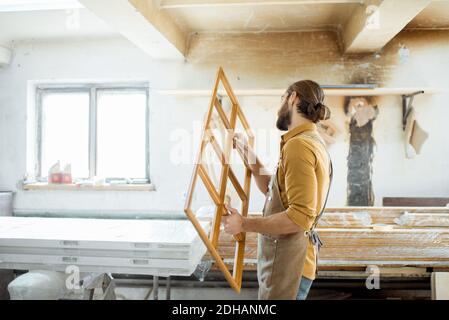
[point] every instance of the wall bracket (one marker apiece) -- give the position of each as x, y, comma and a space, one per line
407, 105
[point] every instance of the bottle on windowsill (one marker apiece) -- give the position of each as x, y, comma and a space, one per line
55, 174
67, 174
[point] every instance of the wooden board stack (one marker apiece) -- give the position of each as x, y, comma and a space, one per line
151, 247
382, 236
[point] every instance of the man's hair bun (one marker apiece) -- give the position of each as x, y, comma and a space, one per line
314, 112
323, 111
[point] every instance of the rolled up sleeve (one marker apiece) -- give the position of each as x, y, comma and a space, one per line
300, 182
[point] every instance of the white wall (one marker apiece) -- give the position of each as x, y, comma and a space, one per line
427, 175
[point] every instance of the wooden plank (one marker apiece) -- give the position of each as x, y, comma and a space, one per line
404, 272
215, 232
416, 237
440, 285
228, 89
216, 147
225, 159
238, 265
385, 272
204, 139
361, 250
177, 4
372, 25
329, 92
388, 209
222, 114
235, 182
365, 219
377, 246
218, 259
411, 220
248, 131
209, 184
240, 191
143, 24
414, 202
241, 247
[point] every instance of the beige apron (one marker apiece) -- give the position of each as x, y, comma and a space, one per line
281, 258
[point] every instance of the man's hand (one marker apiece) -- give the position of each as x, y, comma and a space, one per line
261, 174
242, 146
233, 223
240, 141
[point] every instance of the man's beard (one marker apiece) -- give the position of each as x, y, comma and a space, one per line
284, 120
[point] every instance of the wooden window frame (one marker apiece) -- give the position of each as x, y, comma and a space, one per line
227, 174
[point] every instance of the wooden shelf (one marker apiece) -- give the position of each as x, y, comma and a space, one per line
328, 91
80, 187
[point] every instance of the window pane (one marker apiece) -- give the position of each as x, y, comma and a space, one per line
121, 134
65, 132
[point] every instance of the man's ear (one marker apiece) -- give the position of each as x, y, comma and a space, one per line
293, 99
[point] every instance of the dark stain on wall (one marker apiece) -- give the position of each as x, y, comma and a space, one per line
361, 153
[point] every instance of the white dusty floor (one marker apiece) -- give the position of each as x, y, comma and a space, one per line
133, 293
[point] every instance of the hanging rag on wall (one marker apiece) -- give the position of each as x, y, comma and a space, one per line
328, 131
415, 136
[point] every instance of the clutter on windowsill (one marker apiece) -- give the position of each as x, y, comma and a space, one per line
62, 180
87, 186
56, 175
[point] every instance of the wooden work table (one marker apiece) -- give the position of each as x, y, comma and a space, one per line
147, 247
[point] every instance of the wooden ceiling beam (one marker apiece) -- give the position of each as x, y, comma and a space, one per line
143, 24
174, 4
375, 23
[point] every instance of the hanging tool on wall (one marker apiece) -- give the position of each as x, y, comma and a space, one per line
415, 136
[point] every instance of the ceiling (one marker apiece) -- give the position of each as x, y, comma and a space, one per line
262, 18
58, 19
436, 15
29, 5
284, 17
51, 24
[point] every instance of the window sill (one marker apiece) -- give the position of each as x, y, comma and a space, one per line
86, 187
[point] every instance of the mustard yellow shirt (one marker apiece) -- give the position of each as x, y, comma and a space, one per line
303, 177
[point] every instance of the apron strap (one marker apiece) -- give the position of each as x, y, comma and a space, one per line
312, 234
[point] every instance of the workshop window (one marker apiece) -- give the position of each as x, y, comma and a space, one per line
100, 131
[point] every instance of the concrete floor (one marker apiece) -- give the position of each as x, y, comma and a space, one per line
134, 293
